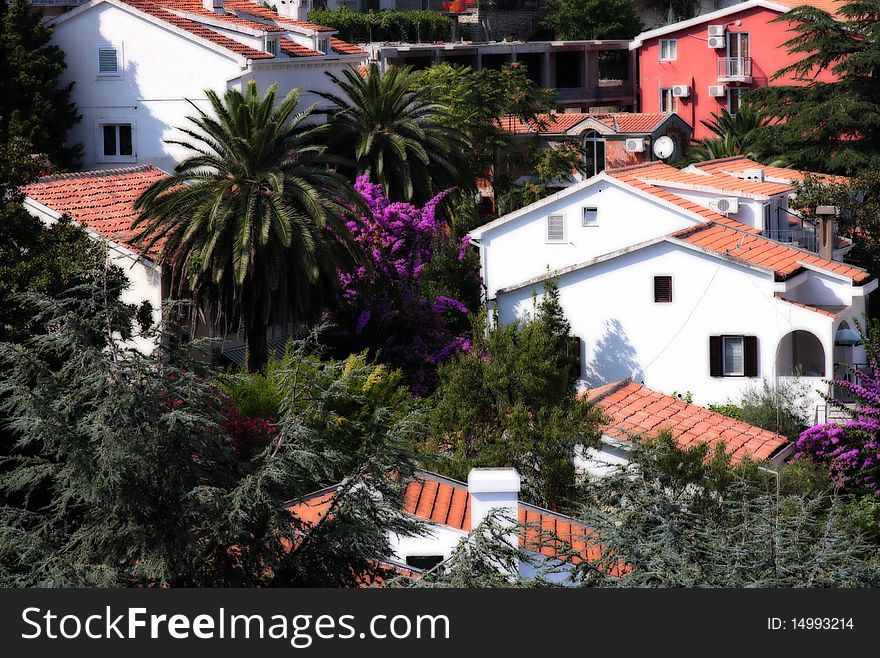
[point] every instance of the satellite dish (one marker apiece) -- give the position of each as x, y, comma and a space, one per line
664, 147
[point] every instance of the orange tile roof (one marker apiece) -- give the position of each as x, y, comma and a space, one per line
444, 501
739, 163
292, 49
809, 307
345, 48
633, 410
622, 122
253, 9
711, 180
831, 6
226, 16
100, 200
633, 175
782, 259
157, 11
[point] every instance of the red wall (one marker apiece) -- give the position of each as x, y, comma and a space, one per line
696, 64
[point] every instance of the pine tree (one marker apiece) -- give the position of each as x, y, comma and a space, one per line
828, 126
32, 105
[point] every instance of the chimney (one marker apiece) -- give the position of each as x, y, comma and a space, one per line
213, 5
826, 215
491, 489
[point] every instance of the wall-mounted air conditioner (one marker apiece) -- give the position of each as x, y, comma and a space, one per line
717, 42
726, 205
681, 91
754, 175
716, 30
635, 145
717, 91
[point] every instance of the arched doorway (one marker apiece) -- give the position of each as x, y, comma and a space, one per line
800, 354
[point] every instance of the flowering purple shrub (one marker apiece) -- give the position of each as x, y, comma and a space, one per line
386, 308
851, 450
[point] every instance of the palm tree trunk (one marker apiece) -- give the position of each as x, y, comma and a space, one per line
257, 353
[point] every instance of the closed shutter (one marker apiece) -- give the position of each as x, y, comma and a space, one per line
662, 289
750, 345
715, 366
555, 228
108, 63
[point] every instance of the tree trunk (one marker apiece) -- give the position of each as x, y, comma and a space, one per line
257, 354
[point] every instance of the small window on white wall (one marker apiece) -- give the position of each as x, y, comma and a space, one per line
272, 47
116, 142
590, 217
556, 227
108, 62
324, 45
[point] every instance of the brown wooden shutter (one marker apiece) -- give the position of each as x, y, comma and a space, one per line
662, 289
750, 350
715, 366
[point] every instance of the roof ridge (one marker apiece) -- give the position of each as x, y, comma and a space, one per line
729, 158
612, 389
96, 173
635, 167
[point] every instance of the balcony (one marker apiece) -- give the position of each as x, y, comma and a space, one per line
735, 69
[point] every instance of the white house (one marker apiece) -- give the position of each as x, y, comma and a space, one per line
140, 66
684, 280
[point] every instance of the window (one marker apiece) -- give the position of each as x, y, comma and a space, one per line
272, 47
324, 45
662, 289
116, 142
668, 50
594, 152
738, 45
668, 102
735, 97
556, 227
423, 562
590, 217
733, 356
108, 62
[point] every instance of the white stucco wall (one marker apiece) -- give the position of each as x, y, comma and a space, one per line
666, 346
518, 250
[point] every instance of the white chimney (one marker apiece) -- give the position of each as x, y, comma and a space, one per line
491, 489
295, 9
213, 5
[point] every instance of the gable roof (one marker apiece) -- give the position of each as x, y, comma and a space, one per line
705, 180
632, 410
783, 260
102, 201
560, 123
444, 501
737, 164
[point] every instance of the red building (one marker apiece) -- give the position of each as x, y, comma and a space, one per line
698, 67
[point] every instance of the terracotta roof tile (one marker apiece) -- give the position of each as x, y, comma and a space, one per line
689, 424
345, 48
757, 250
809, 307
292, 49
100, 200
196, 8
739, 163
621, 122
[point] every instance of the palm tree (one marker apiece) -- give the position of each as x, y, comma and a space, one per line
734, 134
392, 129
251, 225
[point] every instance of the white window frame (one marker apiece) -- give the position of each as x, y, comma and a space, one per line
670, 44
272, 46
724, 370
585, 221
323, 44
561, 240
673, 101
99, 139
730, 95
117, 75
734, 36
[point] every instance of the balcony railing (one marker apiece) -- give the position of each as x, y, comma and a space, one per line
847, 373
735, 69
805, 237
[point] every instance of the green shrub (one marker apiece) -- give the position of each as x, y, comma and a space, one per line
360, 27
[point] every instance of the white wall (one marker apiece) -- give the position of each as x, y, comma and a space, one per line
751, 212
666, 346
518, 250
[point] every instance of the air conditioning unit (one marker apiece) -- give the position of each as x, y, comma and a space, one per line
754, 175
717, 91
681, 91
717, 42
716, 30
726, 205
635, 145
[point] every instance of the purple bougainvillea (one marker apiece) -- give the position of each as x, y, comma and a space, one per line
384, 307
851, 450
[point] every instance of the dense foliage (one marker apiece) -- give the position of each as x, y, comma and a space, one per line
252, 224
736, 134
388, 25
392, 128
851, 450
828, 126
593, 19
126, 473
385, 307
511, 401
779, 406
33, 106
